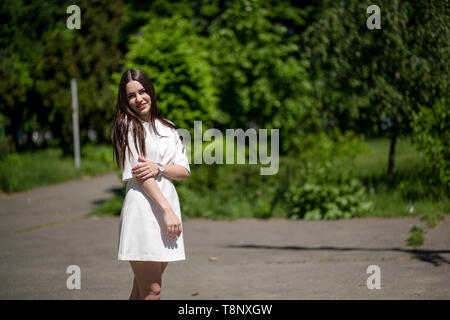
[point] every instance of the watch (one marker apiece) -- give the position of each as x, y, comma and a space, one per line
160, 169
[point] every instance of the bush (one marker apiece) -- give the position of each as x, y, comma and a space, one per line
416, 237
327, 200
175, 58
321, 191
227, 192
432, 135
6, 146
307, 186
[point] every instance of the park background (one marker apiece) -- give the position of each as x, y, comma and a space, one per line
362, 113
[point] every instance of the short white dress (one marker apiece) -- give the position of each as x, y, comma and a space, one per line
142, 232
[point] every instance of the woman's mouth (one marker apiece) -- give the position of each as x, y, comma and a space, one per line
142, 106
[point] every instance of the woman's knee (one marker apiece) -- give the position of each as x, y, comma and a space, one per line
154, 293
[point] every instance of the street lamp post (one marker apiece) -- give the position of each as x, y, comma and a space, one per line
75, 123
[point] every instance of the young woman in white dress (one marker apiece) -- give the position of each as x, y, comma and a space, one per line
151, 154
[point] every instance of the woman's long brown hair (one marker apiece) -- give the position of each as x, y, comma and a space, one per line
126, 117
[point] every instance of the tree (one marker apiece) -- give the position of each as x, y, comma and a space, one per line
175, 58
432, 135
262, 82
252, 49
378, 78
20, 48
90, 55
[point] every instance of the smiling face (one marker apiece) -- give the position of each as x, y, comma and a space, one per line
138, 99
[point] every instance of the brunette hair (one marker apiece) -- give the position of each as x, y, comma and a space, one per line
126, 117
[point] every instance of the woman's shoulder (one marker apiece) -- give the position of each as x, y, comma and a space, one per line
161, 122
164, 127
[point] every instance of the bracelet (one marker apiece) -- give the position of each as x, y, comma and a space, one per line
160, 169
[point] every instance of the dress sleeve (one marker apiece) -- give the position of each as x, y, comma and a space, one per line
131, 160
180, 154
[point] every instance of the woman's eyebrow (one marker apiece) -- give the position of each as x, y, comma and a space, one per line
130, 93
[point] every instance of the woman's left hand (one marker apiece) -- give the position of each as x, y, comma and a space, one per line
145, 170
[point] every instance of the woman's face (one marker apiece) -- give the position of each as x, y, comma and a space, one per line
138, 99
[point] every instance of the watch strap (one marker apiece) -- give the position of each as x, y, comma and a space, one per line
160, 169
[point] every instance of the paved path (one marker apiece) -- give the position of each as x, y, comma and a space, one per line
44, 231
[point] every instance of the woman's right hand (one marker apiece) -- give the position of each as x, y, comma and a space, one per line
173, 224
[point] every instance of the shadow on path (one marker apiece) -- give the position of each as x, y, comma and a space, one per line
430, 256
116, 193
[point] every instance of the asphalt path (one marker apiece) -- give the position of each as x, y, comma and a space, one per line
45, 230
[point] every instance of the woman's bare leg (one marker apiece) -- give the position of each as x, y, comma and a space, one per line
148, 277
164, 265
135, 291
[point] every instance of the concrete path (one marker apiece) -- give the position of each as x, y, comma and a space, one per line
44, 231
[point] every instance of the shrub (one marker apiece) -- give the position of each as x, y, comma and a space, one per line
6, 146
320, 197
320, 191
432, 135
227, 192
416, 237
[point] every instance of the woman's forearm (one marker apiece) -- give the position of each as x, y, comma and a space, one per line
175, 172
150, 187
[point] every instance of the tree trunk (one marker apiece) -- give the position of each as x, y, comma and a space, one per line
391, 161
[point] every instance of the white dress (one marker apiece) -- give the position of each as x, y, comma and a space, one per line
142, 233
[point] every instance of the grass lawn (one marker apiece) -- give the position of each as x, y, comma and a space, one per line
412, 193
24, 171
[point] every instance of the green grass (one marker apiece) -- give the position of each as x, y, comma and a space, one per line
24, 171
414, 190
110, 206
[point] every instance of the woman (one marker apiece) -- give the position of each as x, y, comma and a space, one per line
150, 154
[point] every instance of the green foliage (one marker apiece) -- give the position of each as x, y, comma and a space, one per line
369, 79
175, 58
248, 48
327, 200
90, 55
240, 64
413, 192
319, 191
331, 43
416, 237
112, 206
23, 171
6, 142
98, 153
6, 145
373, 81
432, 135
432, 219
262, 80
306, 181
238, 191
20, 48
227, 192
